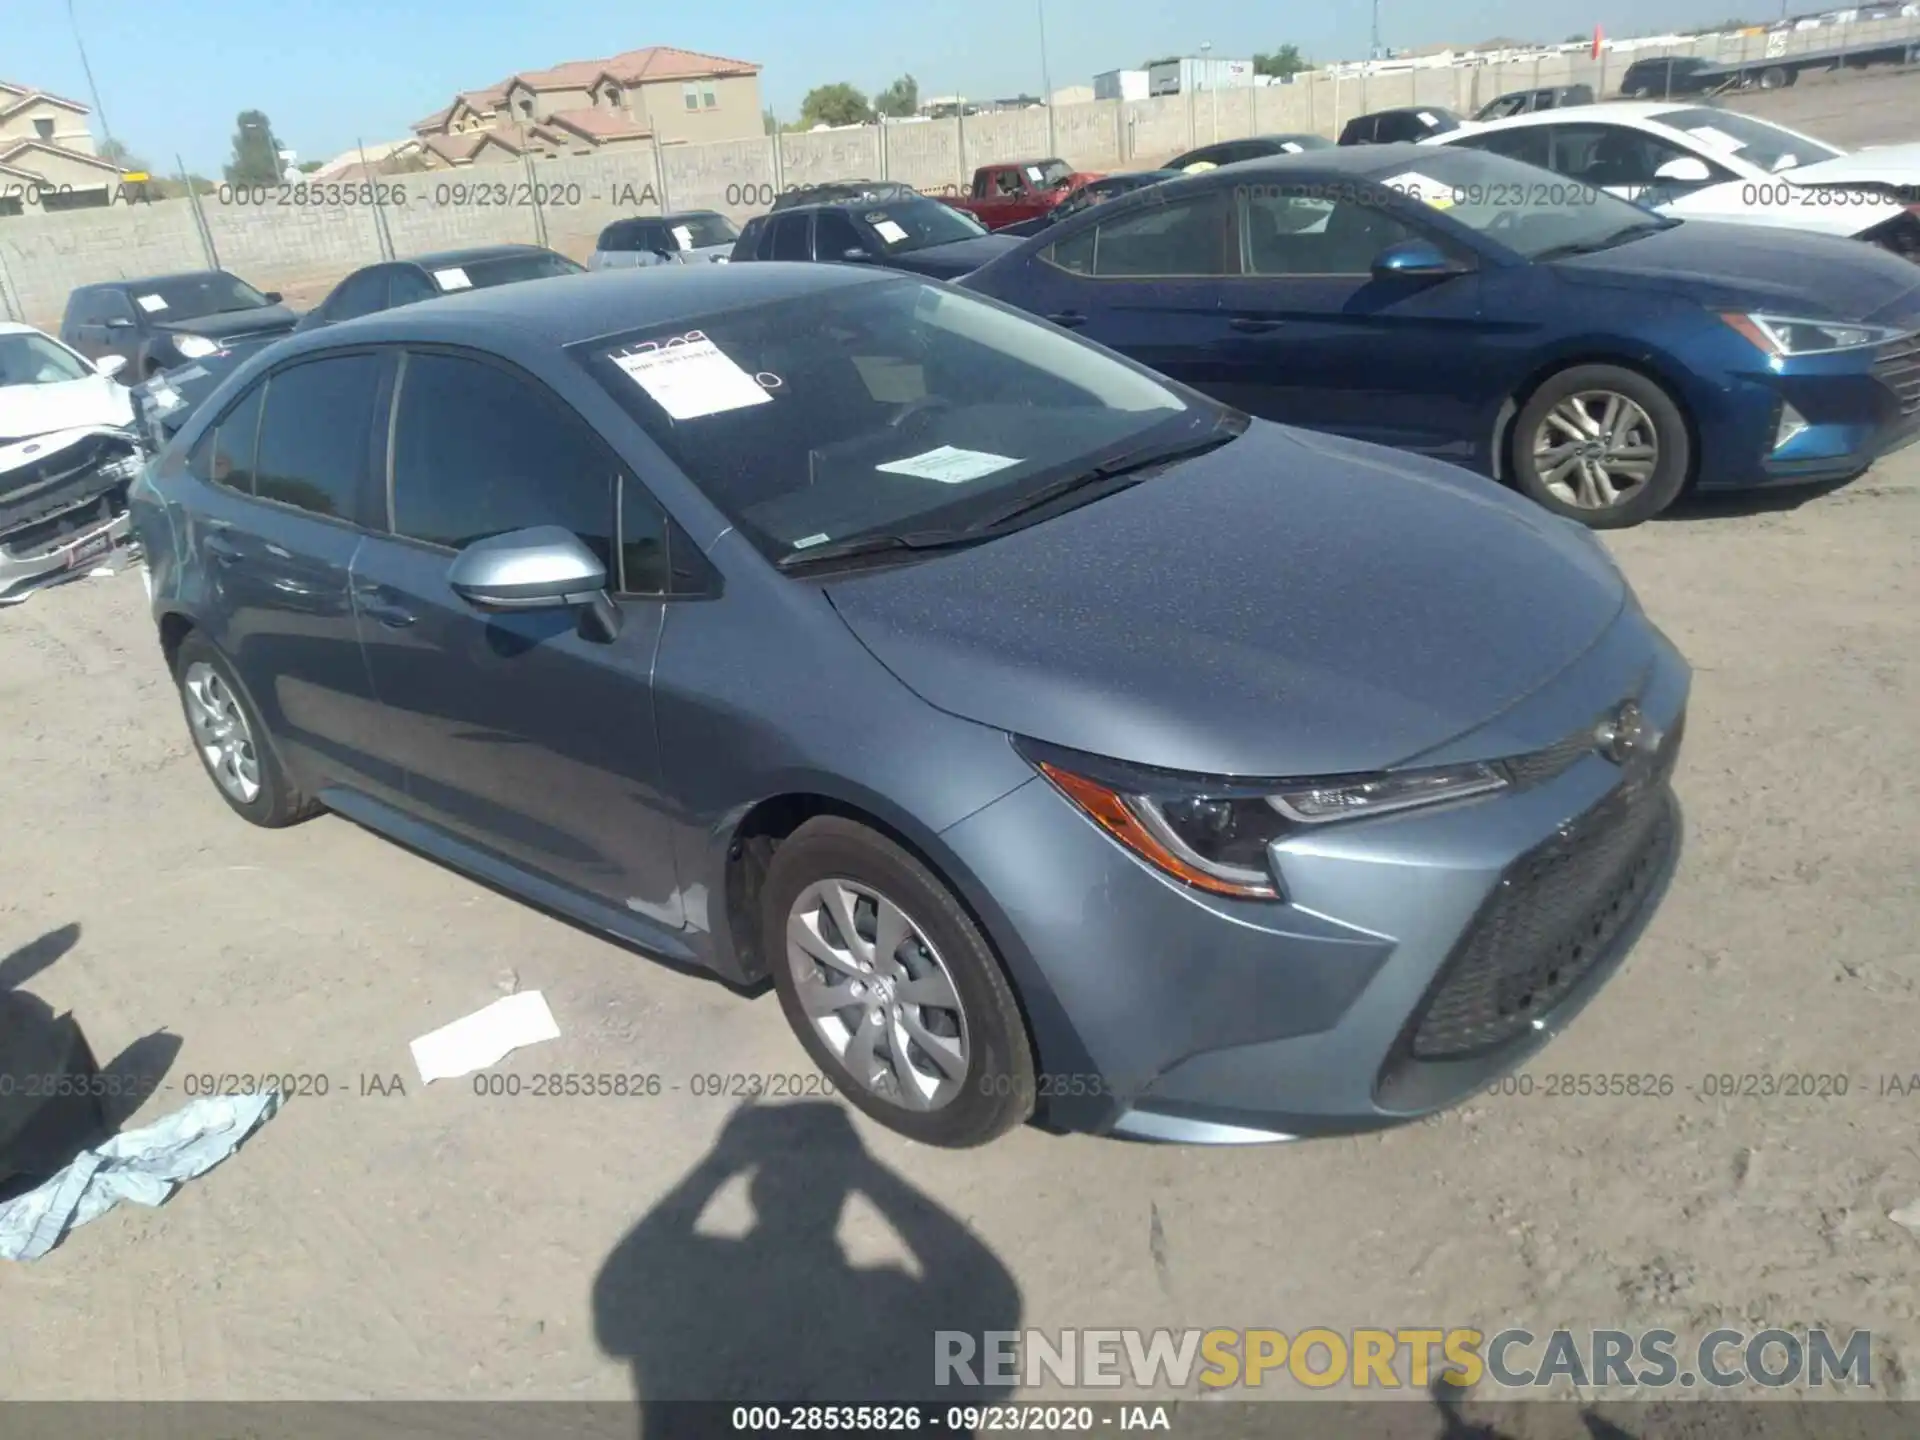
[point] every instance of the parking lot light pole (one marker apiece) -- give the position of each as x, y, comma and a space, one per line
106, 130
1046, 81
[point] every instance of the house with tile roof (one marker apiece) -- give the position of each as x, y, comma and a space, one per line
627, 101
47, 156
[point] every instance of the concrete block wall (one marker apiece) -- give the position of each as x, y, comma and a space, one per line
276, 244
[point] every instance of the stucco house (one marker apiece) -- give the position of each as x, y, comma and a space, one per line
47, 156
628, 101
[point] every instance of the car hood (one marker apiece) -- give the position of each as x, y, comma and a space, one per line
27, 411
260, 320
1756, 267
956, 257
1289, 604
1894, 164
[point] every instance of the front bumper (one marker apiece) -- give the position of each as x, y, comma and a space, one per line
1163, 1014
1857, 408
64, 509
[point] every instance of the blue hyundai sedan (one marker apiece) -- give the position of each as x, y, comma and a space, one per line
1599, 357
1057, 741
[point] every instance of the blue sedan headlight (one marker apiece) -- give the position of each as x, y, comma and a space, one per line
1784, 336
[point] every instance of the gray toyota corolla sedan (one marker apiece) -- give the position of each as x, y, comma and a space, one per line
1060, 743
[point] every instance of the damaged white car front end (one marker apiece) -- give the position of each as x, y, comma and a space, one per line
63, 503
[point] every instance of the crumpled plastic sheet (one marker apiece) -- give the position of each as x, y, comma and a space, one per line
144, 1166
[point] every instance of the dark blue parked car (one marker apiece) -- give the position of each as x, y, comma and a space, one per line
1598, 356
1057, 741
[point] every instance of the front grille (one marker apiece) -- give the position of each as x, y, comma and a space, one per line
63, 493
1898, 368
1555, 914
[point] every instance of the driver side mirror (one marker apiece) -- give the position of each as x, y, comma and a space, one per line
856, 254
1412, 258
120, 322
272, 297
110, 365
543, 567
1686, 170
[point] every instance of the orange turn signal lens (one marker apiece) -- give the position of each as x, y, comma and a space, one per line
1115, 814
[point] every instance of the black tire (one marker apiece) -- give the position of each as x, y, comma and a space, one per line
1776, 77
997, 1092
1672, 464
279, 803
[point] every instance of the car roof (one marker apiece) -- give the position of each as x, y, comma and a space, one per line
468, 255
567, 309
150, 280
17, 327
854, 202
1627, 112
1346, 160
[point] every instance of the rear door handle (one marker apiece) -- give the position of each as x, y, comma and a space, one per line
1071, 319
1252, 325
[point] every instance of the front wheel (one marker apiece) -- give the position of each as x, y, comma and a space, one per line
892, 987
1775, 77
232, 743
1602, 445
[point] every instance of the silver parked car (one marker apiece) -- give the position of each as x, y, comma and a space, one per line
691, 237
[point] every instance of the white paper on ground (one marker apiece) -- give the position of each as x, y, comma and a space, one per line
684, 236
692, 377
889, 231
152, 303
452, 278
948, 465
485, 1037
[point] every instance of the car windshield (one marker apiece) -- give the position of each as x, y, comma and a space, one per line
1754, 141
695, 232
1048, 174
881, 408
510, 269
31, 359
189, 297
904, 225
1503, 200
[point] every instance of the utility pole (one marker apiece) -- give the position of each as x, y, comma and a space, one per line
106, 130
1046, 81
1376, 30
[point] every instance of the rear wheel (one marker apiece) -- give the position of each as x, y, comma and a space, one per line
232, 743
1602, 445
892, 988
1775, 77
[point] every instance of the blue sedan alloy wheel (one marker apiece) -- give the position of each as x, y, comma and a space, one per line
892, 987
1602, 445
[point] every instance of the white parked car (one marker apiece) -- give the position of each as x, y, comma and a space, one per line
68, 450
1701, 162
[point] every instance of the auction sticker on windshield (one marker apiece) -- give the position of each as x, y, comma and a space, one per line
684, 236
452, 278
690, 376
1719, 139
1424, 188
152, 304
948, 465
889, 231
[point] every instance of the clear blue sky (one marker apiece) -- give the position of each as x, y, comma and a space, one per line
174, 73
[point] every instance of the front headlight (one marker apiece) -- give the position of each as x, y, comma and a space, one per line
1214, 834
194, 346
1782, 335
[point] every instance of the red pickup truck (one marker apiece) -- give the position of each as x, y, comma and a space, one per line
1007, 193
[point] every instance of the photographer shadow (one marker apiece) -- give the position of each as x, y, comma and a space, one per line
779, 1315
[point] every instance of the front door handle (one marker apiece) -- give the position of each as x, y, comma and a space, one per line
394, 617
1070, 319
223, 550
1253, 325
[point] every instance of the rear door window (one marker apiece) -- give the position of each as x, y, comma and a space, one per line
790, 237
316, 435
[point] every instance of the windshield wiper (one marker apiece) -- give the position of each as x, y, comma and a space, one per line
854, 545
1129, 467
1606, 242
